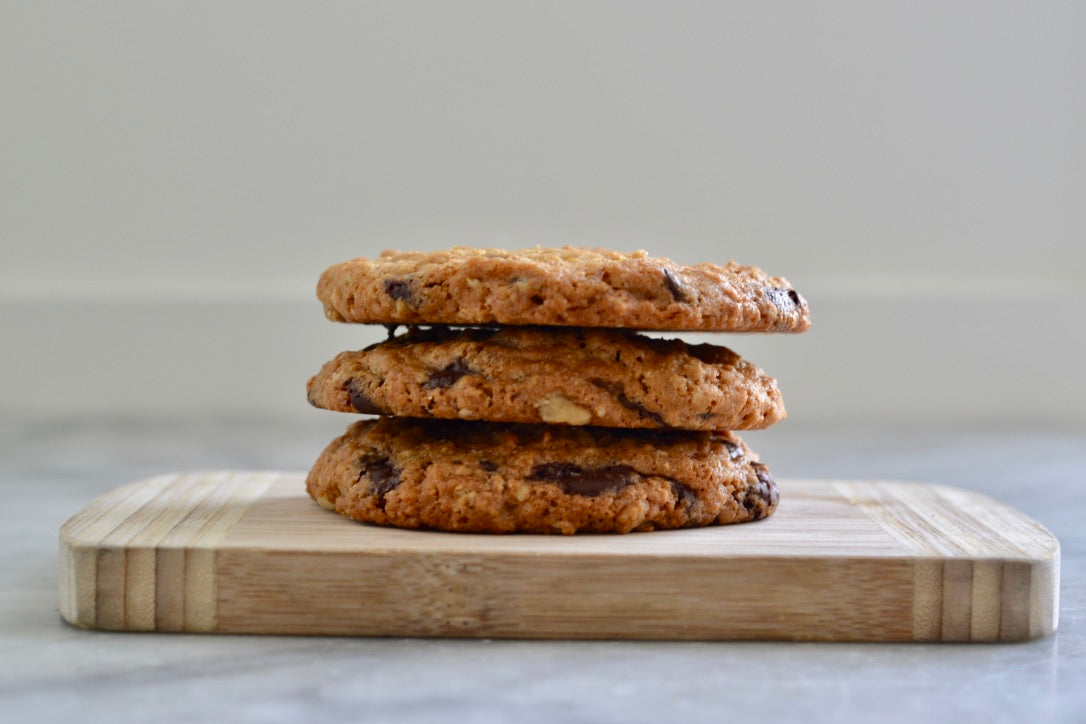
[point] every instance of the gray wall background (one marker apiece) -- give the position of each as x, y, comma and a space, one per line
175, 176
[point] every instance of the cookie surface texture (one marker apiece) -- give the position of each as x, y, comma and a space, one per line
572, 376
483, 477
566, 287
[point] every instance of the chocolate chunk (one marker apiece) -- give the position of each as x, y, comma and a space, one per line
383, 474
685, 497
590, 482
398, 289
361, 401
488, 465
783, 299
448, 375
764, 477
734, 451
674, 286
615, 390
761, 498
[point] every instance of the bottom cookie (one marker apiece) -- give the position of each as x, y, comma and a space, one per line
492, 478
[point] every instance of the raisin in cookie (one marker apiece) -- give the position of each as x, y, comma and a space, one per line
573, 376
568, 287
484, 477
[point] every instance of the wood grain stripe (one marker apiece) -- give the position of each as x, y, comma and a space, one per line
957, 600
1014, 621
131, 605
987, 601
966, 546
81, 535
1044, 596
205, 527
927, 600
111, 551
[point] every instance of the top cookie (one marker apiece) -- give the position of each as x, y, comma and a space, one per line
566, 287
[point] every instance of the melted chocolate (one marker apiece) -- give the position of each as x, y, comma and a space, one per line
711, 354
734, 451
783, 299
685, 496
361, 402
590, 482
448, 375
615, 390
762, 497
674, 286
383, 474
399, 289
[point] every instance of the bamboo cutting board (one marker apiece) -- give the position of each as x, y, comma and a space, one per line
839, 561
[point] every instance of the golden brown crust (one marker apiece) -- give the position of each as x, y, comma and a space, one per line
570, 286
482, 477
551, 375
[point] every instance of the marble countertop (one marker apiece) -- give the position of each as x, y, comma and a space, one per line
52, 672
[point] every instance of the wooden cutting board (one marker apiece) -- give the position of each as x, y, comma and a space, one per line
249, 552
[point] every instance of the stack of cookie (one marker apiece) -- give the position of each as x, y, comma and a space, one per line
522, 397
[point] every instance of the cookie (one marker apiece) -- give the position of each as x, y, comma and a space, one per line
568, 287
572, 376
494, 478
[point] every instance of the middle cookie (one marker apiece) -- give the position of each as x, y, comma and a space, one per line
573, 376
